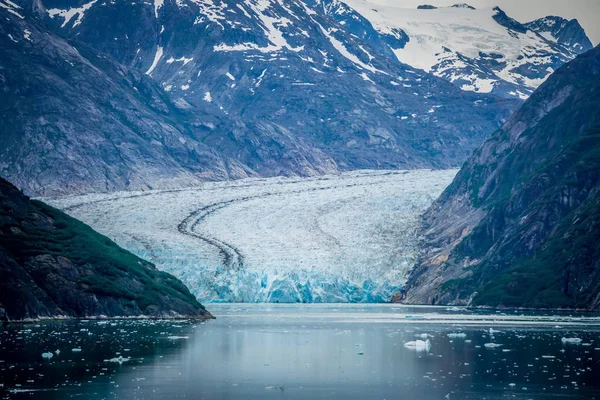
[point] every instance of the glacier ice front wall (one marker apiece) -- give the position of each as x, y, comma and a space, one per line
344, 238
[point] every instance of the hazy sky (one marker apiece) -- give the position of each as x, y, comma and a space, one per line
586, 11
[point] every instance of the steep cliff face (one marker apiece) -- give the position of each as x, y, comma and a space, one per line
52, 265
519, 226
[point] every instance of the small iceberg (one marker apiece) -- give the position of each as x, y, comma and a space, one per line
492, 345
119, 360
457, 335
418, 345
423, 336
47, 355
76, 350
573, 340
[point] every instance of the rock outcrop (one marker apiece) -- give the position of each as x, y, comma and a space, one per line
519, 226
54, 266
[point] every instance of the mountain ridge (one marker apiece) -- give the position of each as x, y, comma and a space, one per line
516, 228
191, 101
482, 50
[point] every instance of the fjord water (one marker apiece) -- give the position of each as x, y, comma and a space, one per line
312, 351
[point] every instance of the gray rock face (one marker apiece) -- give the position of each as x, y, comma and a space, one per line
53, 266
519, 225
101, 96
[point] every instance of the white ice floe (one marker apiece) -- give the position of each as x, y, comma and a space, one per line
418, 345
423, 336
492, 345
119, 359
565, 340
457, 335
47, 355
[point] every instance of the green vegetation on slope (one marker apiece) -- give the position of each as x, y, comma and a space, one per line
539, 281
30, 228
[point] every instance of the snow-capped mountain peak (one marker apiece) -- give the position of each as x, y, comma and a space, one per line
480, 50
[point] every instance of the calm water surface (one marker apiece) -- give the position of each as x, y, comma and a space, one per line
306, 352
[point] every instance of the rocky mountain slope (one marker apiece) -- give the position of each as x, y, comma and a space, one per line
52, 265
101, 96
519, 226
484, 51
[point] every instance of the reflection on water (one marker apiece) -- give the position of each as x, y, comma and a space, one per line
307, 352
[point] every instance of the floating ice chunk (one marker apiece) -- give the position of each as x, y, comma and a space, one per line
491, 331
57, 352
492, 345
76, 350
571, 340
548, 357
423, 336
47, 355
456, 309
119, 360
457, 335
418, 345
275, 388
177, 337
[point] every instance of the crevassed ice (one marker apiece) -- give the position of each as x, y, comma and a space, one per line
344, 238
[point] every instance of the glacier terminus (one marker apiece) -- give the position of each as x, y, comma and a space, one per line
335, 238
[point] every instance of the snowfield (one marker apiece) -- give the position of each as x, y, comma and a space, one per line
343, 238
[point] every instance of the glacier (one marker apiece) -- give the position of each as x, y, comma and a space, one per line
329, 239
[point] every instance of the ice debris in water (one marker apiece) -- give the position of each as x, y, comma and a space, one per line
119, 360
571, 340
76, 350
456, 309
492, 345
457, 335
491, 331
423, 336
47, 355
418, 345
